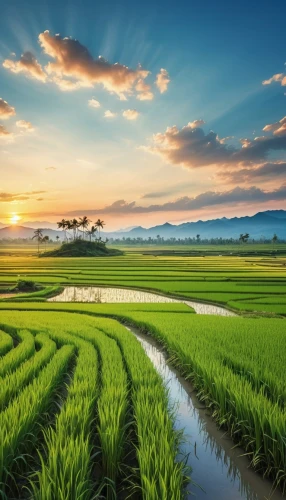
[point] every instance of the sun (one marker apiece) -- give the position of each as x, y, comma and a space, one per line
14, 219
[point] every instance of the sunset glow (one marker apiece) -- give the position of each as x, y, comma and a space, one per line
14, 219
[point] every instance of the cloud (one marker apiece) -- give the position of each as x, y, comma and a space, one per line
27, 64
4, 132
235, 196
156, 194
67, 85
109, 114
162, 80
225, 139
25, 125
192, 147
265, 172
145, 92
279, 77
93, 103
8, 197
278, 128
51, 168
72, 60
131, 114
196, 124
6, 111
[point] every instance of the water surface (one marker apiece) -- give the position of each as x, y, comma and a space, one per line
125, 295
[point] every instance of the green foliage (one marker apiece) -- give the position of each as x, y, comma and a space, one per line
26, 286
82, 248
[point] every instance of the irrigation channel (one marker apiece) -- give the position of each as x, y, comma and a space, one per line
219, 469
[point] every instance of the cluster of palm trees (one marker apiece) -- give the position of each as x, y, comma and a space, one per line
38, 234
80, 228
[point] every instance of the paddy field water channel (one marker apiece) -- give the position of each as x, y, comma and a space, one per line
219, 469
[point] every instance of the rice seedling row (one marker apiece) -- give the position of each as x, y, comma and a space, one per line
86, 450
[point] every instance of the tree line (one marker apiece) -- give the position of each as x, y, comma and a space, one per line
195, 240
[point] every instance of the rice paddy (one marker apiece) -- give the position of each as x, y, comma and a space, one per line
236, 282
84, 413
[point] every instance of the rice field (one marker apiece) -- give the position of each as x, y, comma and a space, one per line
84, 413
76, 399
242, 283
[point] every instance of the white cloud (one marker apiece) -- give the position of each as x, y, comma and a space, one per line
131, 114
162, 80
109, 114
25, 125
93, 103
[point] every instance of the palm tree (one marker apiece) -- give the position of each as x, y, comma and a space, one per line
99, 224
38, 233
91, 232
45, 239
198, 238
84, 223
62, 225
57, 237
69, 225
74, 227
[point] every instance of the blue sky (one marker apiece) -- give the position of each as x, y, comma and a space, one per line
73, 158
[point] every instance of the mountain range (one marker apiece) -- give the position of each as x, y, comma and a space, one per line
261, 225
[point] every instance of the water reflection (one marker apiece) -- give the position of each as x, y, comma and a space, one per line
219, 470
115, 295
101, 295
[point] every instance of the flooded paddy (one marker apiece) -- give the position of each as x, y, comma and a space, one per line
124, 295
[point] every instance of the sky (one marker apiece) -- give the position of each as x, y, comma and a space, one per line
141, 112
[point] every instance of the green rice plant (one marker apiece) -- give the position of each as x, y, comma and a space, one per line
111, 407
13, 382
161, 475
247, 393
6, 343
66, 472
112, 403
20, 417
24, 350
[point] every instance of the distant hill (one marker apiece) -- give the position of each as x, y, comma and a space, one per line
262, 224
16, 231
41, 223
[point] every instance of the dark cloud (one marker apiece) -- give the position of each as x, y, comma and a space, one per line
265, 172
192, 147
235, 196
